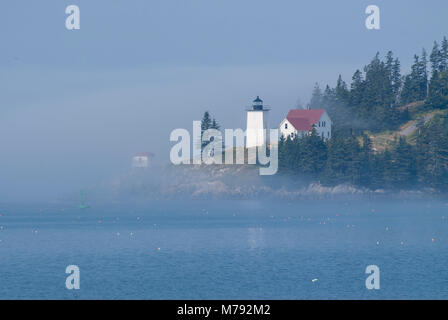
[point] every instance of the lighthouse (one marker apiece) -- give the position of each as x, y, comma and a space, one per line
257, 124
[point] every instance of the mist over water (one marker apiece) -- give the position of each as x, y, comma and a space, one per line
76, 106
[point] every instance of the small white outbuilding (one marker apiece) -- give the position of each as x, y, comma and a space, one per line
141, 159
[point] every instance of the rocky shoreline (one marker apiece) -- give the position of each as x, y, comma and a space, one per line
235, 182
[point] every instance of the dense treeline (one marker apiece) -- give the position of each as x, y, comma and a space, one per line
377, 100
375, 95
351, 160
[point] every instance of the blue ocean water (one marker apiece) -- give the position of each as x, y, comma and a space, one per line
226, 250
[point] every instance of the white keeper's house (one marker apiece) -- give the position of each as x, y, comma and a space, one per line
301, 121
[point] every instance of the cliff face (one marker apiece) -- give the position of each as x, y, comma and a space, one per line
220, 182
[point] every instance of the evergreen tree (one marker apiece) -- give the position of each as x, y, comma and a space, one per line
438, 91
366, 160
444, 55
356, 89
341, 92
435, 58
400, 167
396, 80
343, 161
206, 122
415, 84
335, 167
215, 125
293, 146
438, 85
378, 98
423, 76
311, 155
432, 155
316, 97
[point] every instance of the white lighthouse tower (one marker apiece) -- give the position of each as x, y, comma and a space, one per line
257, 125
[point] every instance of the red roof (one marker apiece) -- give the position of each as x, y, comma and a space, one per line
302, 119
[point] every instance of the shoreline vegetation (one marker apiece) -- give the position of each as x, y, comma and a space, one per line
390, 138
390, 131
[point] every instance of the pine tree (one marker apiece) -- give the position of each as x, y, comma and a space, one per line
423, 76
416, 83
343, 161
432, 153
378, 97
435, 58
316, 97
444, 55
366, 161
438, 86
341, 91
396, 80
389, 63
356, 89
334, 172
401, 167
206, 122
438, 91
215, 125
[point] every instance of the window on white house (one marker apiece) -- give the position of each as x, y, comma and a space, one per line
286, 126
328, 134
319, 123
